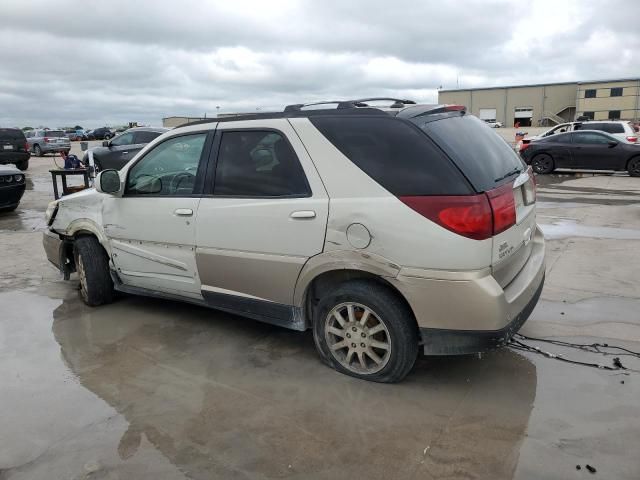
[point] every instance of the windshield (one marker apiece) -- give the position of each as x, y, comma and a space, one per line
480, 153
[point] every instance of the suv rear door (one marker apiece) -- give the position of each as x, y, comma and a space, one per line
264, 214
492, 166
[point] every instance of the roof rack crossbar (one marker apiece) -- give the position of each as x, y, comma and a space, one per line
296, 107
375, 99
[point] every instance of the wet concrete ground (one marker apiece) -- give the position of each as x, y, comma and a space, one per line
149, 389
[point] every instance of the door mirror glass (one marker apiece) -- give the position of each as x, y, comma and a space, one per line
108, 181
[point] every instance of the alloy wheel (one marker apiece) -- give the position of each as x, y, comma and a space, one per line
357, 338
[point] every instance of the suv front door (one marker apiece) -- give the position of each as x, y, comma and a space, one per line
594, 150
151, 228
264, 214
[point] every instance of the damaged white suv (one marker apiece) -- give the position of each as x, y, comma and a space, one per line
385, 230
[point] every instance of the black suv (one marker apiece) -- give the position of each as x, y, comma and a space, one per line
102, 133
117, 152
14, 148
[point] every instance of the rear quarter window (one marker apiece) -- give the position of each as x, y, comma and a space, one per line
395, 154
484, 157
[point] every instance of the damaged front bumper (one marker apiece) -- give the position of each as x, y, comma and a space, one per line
54, 247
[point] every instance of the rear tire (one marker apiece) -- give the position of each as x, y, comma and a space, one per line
23, 165
542, 164
92, 264
633, 167
37, 151
383, 349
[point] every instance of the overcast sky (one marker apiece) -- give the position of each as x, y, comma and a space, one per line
108, 63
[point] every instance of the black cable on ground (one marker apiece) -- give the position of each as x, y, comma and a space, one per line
591, 348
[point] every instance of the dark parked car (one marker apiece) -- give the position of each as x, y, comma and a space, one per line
102, 133
11, 187
14, 148
583, 149
117, 152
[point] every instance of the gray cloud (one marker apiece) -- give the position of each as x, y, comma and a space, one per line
108, 63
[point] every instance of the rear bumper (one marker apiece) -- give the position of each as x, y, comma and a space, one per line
466, 312
13, 157
47, 147
438, 341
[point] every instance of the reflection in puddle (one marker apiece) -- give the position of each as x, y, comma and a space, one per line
23, 221
569, 228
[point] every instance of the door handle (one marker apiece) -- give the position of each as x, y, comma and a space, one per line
124, 153
303, 214
183, 212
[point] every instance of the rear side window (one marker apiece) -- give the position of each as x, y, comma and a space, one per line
145, 137
395, 154
590, 138
604, 127
558, 138
482, 155
257, 163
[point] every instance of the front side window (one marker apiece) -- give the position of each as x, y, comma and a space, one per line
590, 93
590, 138
124, 139
256, 163
168, 169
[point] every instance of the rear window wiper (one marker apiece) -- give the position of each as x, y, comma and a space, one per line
508, 174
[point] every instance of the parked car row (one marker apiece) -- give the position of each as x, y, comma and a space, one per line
42, 142
621, 129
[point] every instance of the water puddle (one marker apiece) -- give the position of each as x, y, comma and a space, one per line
569, 228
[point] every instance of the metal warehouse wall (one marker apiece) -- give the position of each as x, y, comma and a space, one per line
545, 100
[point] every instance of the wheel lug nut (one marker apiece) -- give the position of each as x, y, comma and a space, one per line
363, 335
353, 345
362, 345
348, 335
354, 329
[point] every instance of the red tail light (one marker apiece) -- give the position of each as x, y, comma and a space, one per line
46, 139
503, 206
524, 146
473, 216
632, 139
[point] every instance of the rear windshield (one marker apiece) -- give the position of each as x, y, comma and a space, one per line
54, 133
483, 156
11, 134
395, 154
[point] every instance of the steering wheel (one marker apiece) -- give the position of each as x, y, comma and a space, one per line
178, 179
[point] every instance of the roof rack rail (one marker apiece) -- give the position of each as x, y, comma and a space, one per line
397, 102
341, 104
296, 107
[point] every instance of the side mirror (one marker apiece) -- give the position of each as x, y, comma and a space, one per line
108, 181
105, 143
612, 143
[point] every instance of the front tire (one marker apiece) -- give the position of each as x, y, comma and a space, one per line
633, 167
92, 264
365, 330
542, 164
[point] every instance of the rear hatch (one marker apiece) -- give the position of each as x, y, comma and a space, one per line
56, 137
12, 140
494, 169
